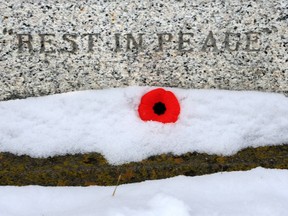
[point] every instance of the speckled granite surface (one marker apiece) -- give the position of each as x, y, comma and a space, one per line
51, 46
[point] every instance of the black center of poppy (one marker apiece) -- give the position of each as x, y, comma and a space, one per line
159, 108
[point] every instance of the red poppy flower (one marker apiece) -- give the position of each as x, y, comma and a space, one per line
159, 105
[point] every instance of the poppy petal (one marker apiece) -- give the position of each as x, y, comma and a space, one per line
159, 105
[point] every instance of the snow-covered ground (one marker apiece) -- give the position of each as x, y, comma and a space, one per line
259, 192
107, 121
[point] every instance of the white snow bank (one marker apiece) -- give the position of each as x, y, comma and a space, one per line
260, 192
107, 121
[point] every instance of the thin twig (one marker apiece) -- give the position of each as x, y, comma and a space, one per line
119, 178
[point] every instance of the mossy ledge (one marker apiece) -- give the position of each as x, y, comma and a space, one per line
93, 169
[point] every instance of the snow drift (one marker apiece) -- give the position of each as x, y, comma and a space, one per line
107, 121
256, 192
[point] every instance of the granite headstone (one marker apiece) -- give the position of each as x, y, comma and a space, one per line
49, 46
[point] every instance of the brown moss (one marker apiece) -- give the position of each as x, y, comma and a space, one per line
93, 169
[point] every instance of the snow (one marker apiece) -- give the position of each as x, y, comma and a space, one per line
107, 121
257, 192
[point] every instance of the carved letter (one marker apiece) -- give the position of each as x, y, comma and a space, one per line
43, 41
137, 46
249, 40
117, 42
227, 41
162, 40
182, 41
21, 42
90, 41
72, 42
211, 38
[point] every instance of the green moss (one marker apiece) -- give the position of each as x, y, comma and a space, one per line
93, 169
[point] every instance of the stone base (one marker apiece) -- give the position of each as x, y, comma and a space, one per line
93, 169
